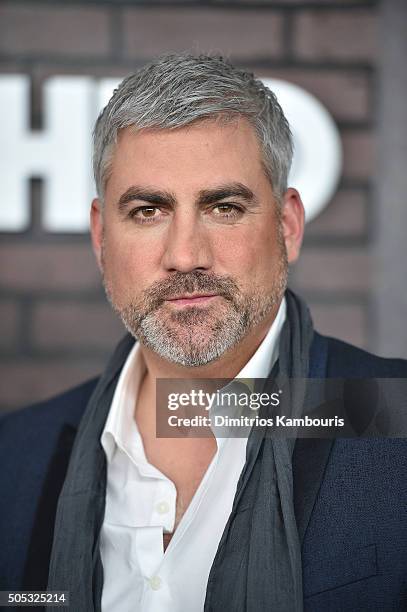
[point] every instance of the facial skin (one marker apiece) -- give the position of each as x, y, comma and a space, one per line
190, 212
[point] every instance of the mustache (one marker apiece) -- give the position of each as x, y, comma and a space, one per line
189, 282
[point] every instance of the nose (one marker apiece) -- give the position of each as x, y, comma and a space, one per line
187, 245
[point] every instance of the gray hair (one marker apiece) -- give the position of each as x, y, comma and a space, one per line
177, 90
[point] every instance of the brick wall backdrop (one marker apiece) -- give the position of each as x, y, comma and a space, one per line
55, 326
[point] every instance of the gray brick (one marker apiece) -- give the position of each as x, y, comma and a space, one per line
345, 93
44, 29
9, 323
345, 216
359, 154
345, 321
289, 3
29, 381
31, 267
242, 34
336, 35
332, 270
75, 325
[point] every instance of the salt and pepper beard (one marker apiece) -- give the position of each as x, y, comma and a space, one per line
196, 335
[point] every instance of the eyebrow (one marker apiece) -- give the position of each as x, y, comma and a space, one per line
231, 190
151, 196
205, 196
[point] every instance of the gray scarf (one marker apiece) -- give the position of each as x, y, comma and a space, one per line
257, 566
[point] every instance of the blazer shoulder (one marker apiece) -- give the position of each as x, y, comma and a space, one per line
65, 408
35, 446
345, 360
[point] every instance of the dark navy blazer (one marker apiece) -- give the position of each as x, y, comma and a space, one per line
350, 496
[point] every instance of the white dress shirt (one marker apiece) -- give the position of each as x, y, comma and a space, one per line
140, 504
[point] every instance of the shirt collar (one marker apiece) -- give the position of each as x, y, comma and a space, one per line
121, 428
120, 424
262, 361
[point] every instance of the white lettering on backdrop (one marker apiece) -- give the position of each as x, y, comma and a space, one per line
60, 153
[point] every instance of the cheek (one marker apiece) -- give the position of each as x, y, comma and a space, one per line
128, 267
246, 255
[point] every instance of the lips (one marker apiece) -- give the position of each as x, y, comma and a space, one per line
191, 300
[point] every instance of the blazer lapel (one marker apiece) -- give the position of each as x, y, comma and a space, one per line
310, 455
39, 551
310, 459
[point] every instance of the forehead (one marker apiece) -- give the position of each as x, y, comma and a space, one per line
204, 151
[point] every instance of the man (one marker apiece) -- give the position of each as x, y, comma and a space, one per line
193, 230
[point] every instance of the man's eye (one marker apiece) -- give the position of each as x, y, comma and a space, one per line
148, 212
227, 210
145, 214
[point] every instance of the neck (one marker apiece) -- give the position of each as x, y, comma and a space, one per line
227, 366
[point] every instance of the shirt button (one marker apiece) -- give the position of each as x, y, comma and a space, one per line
155, 583
162, 507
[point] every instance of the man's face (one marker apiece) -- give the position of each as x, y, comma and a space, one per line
191, 241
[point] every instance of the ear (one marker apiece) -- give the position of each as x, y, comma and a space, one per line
96, 230
292, 218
